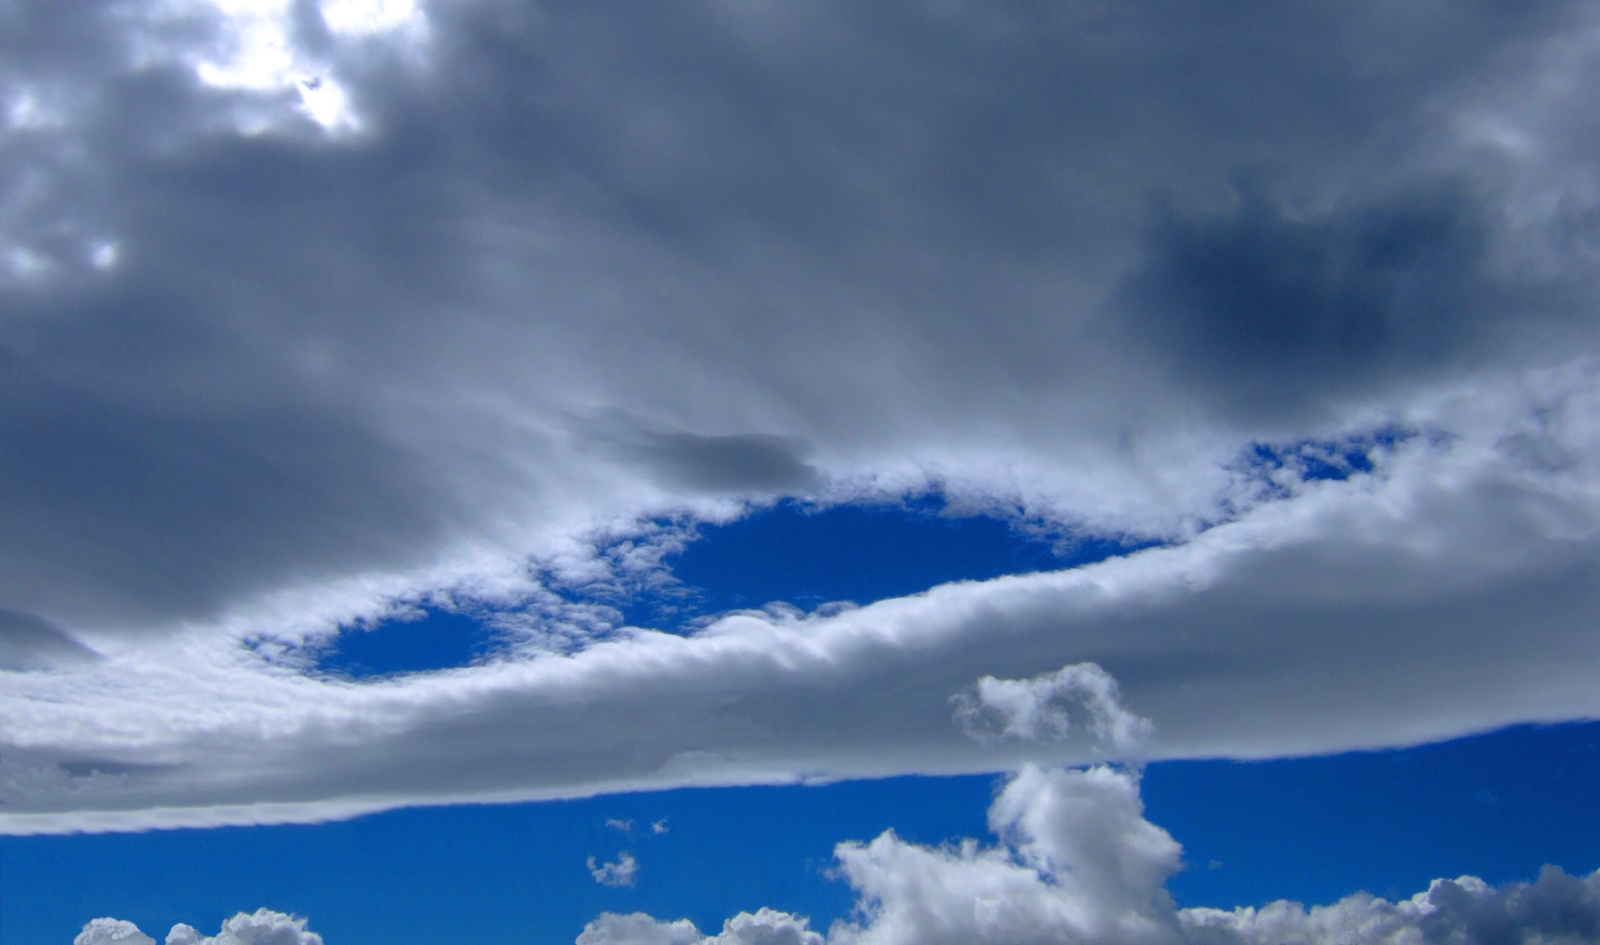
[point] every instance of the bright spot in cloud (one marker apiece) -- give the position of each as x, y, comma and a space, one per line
326, 104
259, 54
103, 254
370, 17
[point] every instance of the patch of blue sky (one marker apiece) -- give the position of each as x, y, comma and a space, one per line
1322, 459
807, 557
788, 554
428, 638
1313, 829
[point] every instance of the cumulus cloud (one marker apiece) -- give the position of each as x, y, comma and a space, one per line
1074, 860
314, 312
112, 932
1037, 709
763, 927
620, 873
1077, 862
1555, 908
262, 927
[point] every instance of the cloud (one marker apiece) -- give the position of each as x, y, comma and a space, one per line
1555, 907
263, 927
659, 826
626, 826
111, 932
445, 302
1251, 639
28, 642
1077, 862
620, 873
1037, 709
638, 929
763, 927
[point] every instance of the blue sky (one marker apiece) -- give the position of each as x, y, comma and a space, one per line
988, 471
1499, 805
1312, 830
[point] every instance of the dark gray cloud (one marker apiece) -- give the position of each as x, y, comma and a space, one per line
875, 231
1271, 314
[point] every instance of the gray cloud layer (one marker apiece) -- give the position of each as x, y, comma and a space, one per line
307, 314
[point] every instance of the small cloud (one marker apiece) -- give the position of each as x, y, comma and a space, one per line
1038, 709
112, 932
626, 826
1214, 865
616, 874
660, 826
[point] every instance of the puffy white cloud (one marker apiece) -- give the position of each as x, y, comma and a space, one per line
262, 927
763, 927
1038, 708
1075, 861
620, 873
1555, 908
573, 288
1078, 862
638, 929
112, 932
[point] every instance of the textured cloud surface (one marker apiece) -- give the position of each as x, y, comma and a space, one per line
1079, 863
314, 313
262, 927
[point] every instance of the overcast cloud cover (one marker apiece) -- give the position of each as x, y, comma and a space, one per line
317, 312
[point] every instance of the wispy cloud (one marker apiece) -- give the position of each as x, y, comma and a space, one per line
619, 873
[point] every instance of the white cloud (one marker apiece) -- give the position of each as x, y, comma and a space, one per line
1075, 861
262, 927
111, 932
626, 826
638, 929
1038, 708
620, 873
659, 826
1078, 862
763, 927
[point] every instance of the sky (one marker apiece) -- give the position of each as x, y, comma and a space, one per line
1008, 472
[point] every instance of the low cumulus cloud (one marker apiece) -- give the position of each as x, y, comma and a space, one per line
1076, 861
262, 927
